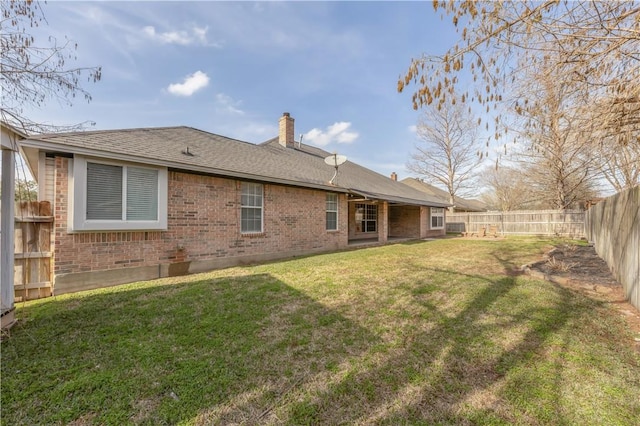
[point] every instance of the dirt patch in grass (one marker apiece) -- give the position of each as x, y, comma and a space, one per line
579, 268
578, 263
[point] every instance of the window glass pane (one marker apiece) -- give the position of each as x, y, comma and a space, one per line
251, 220
142, 194
251, 195
332, 202
332, 221
437, 217
251, 211
332, 212
104, 192
367, 215
372, 212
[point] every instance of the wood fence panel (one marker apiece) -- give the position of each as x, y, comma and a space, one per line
33, 268
614, 227
566, 223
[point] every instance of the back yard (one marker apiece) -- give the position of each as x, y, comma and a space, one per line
429, 332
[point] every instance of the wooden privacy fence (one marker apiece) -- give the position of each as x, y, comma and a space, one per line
564, 223
614, 227
33, 272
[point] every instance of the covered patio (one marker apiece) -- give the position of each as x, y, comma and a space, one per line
374, 220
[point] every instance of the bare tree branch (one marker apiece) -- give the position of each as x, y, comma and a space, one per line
595, 46
447, 153
33, 73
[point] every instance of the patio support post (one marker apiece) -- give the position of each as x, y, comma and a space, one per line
383, 220
7, 227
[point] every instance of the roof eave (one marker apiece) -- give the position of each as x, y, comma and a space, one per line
395, 199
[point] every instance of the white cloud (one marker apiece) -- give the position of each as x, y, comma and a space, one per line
200, 34
228, 104
337, 132
413, 128
182, 37
191, 84
177, 37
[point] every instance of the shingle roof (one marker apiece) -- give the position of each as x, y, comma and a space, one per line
190, 149
460, 203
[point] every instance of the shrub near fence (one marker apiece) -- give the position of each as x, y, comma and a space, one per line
614, 227
565, 223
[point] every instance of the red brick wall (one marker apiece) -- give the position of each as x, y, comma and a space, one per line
404, 221
425, 219
203, 223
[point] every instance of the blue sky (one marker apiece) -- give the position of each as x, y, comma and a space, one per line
233, 68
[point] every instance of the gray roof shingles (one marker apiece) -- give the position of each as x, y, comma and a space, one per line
300, 166
460, 203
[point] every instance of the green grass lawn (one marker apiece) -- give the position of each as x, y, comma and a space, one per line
430, 332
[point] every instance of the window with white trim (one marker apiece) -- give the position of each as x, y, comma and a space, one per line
332, 212
367, 216
118, 196
251, 208
437, 217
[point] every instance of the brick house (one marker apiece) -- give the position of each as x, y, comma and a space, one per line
139, 204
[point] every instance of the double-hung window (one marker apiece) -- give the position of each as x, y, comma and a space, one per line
437, 217
332, 212
251, 208
118, 196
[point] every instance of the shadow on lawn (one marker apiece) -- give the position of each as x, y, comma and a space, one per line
253, 350
217, 351
439, 373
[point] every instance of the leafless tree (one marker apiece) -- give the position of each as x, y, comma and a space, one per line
615, 138
506, 189
446, 155
35, 71
556, 154
619, 164
595, 46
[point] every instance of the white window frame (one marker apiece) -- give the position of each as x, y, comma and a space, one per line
78, 187
436, 212
364, 220
260, 207
335, 199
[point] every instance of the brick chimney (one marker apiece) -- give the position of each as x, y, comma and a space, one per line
394, 176
286, 137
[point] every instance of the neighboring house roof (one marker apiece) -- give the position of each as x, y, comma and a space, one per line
459, 204
474, 205
190, 149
